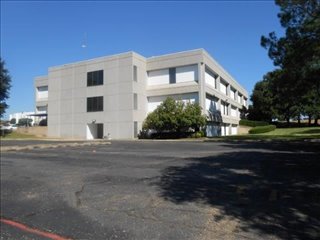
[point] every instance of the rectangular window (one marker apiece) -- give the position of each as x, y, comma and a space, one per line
158, 77
135, 73
234, 129
172, 75
210, 78
43, 88
187, 73
135, 101
233, 111
94, 104
232, 93
135, 129
245, 102
95, 78
224, 107
223, 88
42, 109
42, 92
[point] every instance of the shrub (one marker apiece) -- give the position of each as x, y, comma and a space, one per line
262, 129
251, 123
173, 118
197, 134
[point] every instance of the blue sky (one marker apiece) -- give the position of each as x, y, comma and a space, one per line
36, 35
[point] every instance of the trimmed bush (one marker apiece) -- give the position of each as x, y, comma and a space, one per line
199, 134
251, 123
262, 129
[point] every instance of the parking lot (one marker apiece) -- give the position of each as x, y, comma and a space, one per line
163, 190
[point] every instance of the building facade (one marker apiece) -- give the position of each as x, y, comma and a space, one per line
111, 96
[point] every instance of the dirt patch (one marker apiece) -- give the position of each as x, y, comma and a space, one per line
244, 129
36, 131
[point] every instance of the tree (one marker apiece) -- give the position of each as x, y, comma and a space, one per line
243, 112
165, 117
194, 117
175, 116
13, 121
311, 106
286, 97
295, 85
5, 85
262, 101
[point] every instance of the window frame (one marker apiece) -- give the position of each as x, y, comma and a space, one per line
135, 101
95, 78
95, 104
135, 129
135, 73
172, 76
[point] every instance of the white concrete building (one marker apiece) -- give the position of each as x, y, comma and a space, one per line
20, 115
112, 95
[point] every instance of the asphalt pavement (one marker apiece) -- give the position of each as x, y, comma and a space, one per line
163, 190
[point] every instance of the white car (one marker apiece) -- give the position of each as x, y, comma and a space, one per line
7, 128
14, 127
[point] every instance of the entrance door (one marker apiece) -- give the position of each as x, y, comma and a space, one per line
94, 131
213, 129
100, 130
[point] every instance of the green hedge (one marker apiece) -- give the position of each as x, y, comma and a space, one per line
262, 129
250, 123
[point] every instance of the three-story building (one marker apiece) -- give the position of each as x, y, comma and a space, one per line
112, 95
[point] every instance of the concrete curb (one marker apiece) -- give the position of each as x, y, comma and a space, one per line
45, 146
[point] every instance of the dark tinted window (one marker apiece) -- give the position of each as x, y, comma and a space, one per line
94, 104
135, 73
95, 78
135, 101
135, 129
172, 75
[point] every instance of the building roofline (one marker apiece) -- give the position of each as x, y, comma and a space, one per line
41, 77
176, 53
108, 57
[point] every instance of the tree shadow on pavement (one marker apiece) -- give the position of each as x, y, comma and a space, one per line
275, 193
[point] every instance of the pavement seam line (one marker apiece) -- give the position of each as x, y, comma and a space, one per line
45, 146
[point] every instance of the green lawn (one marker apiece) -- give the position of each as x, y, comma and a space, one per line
16, 135
282, 134
296, 131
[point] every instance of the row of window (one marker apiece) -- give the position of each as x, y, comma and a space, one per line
95, 104
212, 105
225, 109
95, 78
188, 73
211, 78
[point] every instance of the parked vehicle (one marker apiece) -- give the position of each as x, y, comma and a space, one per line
14, 127
5, 129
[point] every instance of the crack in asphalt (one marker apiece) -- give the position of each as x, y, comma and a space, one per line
78, 194
39, 212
